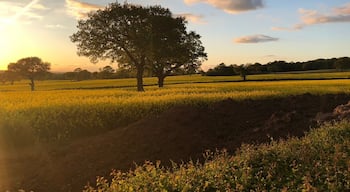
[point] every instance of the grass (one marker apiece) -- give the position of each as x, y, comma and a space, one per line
318, 162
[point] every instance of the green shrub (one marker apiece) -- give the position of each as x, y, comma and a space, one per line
318, 162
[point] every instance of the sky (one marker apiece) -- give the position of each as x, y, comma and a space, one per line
233, 31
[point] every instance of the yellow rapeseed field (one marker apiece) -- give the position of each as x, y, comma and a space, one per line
58, 115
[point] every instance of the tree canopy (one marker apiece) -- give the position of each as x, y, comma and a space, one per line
138, 37
31, 68
173, 47
340, 64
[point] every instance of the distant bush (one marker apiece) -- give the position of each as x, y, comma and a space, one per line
318, 162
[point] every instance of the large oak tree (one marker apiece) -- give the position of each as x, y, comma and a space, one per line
137, 37
176, 48
120, 33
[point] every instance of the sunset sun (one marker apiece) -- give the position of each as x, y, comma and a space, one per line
12, 37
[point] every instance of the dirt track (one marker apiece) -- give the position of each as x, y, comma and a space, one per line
178, 134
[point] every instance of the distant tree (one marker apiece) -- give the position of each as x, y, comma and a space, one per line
12, 76
31, 68
221, 70
9, 76
94, 75
317, 64
55, 76
242, 70
79, 74
123, 72
106, 72
85, 75
342, 64
3, 78
309, 65
76, 72
278, 66
70, 76
256, 68
298, 66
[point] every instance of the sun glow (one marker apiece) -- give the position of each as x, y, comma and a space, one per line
13, 36
8, 33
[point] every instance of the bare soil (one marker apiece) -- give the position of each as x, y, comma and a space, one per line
179, 134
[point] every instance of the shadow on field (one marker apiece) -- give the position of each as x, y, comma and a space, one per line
208, 81
179, 134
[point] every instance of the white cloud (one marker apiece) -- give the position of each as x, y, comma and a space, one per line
39, 6
57, 26
198, 19
79, 9
314, 17
255, 39
25, 11
231, 6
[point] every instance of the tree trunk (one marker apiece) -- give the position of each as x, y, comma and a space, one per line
161, 80
139, 77
32, 84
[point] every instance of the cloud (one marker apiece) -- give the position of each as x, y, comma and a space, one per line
255, 39
344, 10
26, 11
198, 19
269, 56
311, 17
39, 6
57, 26
293, 28
231, 6
79, 9
314, 17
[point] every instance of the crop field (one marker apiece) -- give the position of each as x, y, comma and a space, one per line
152, 81
62, 112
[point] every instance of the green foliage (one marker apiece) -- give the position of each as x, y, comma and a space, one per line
31, 68
139, 37
342, 63
318, 162
283, 66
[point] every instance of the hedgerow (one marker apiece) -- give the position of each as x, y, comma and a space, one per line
318, 162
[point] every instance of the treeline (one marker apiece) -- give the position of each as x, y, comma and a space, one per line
80, 74
77, 74
222, 69
106, 72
